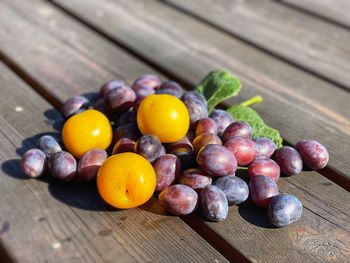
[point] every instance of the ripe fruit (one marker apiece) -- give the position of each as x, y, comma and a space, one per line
187, 157
206, 125
164, 116
150, 80
120, 99
216, 160
214, 203
289, 160
123, 145
63, 166
171, 88
89, 164
126, 180
73, 105
85, 131
314, 154
33, 163
238, 129
204, 139
196, 106
195, 178
222, 119
126, 131
284, 210
265, 147
193, 95
261, 189
109, 85
179, 199
167, 168
48, 145
142, 91
243, 149
184, 143
265, 167
149, 147
235, 189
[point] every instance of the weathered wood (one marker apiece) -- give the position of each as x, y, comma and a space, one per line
299, 105
64, 48
317, 237
308, 42
44, 221
333, 10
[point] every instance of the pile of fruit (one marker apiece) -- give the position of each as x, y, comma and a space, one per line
176, 144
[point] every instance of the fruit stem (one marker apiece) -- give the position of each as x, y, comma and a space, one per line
252, 101
242, 168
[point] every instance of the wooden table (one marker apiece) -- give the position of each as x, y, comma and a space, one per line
295, 53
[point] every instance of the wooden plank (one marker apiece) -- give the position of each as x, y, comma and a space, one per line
44, 221
333, 10
311, 43
309, 240
189, 49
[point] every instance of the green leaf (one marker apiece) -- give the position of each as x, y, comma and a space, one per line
218, 86
260, 129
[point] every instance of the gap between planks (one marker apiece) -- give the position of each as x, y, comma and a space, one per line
32, 82
194, 222
252, 44
330, 173
317, 15
5, 257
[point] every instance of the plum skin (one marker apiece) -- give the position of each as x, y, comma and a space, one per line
284, 210
244, 149
265, 167
289, 160
214, 203
179, 199
167, 168
63, 166
261, 189
217, 160
89, 164
314, 154
195, 178
33, 163
235, 189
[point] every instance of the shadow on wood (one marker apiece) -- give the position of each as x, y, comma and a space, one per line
254, 215
82, 196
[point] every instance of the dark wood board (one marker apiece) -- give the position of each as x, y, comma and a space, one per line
333, 10
306, 41
45, 221
246, 228
188, 49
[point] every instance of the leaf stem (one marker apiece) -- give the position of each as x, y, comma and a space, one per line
252, 101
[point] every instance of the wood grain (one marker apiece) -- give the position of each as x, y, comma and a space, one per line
299, 105
44, 221
319, 236
311, 43
333, 10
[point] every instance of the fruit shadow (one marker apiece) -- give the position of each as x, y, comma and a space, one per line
54, 119
154, 207
91, 96
12, 167
83, 196
254, 215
